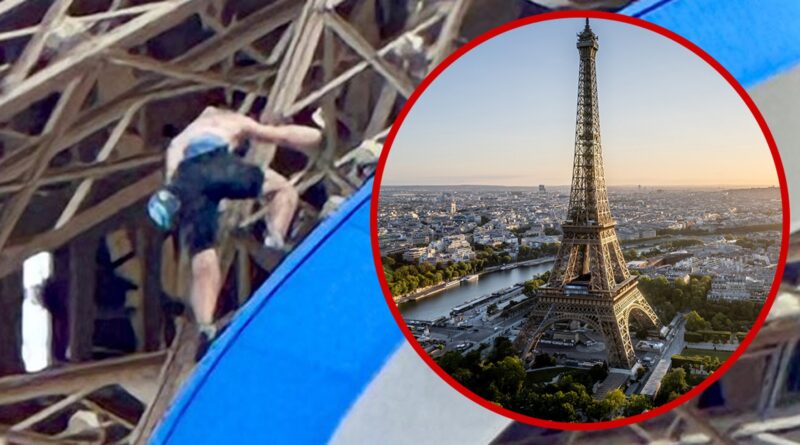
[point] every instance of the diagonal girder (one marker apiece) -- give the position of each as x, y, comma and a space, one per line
349, 34
33, 50
200, 57
62, 117
135, 31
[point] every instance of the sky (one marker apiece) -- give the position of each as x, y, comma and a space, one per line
35, 318
504, 114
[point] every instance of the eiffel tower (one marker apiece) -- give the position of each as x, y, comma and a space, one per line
590, 281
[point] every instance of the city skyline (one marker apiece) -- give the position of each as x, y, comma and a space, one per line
701, 134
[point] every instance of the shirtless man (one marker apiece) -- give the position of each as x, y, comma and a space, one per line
201, 170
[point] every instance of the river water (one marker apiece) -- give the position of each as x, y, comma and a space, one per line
440, 304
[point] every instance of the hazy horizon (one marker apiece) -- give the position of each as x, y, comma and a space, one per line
667, 118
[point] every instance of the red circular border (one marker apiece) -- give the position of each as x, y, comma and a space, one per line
396, 312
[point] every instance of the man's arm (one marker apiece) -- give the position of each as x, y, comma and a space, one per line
299, 137
172, 159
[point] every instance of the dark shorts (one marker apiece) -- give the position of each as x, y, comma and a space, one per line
201, 183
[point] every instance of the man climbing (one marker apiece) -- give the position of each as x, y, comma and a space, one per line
202, 168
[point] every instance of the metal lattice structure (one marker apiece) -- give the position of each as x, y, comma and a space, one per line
590, 281
588, 198
92, 90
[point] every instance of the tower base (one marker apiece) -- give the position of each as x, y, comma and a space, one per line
607, 316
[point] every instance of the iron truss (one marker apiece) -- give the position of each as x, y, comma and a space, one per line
89, 91
589, 281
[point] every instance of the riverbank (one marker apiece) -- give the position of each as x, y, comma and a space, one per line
437, 288
427, 291
441, 303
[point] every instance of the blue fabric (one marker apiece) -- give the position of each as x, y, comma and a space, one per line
302, 350
206, 143
753, 39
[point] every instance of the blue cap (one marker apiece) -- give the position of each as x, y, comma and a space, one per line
203, 144
163, 208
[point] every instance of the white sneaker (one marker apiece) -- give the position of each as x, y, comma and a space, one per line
274, 241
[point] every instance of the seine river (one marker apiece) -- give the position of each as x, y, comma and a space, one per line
440, 304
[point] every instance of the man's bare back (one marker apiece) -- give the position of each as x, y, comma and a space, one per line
235, 128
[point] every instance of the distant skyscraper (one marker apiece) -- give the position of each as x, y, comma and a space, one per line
453, 207
542, 190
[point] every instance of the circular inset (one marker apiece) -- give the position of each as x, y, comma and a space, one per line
565, 281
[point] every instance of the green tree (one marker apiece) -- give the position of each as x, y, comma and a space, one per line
694, 322
531, 286
721, 322
543, 360
501, 349
637, 404
616, 400
450, 362
507, 375
464, 376
672, 385
610, 407
566, 412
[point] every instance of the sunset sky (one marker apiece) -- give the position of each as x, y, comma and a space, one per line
504, 114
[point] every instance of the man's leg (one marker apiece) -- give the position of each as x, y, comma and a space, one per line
280, 207
206, 285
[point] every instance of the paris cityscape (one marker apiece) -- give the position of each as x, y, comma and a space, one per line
708, 232
509, 236
579, 302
